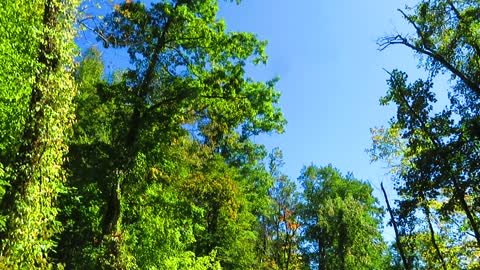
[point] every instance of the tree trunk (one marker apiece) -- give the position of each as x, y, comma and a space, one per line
471, 218
113, 209
406, 264
29, 203
432, 236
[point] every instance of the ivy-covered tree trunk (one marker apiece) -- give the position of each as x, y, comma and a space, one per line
29, 203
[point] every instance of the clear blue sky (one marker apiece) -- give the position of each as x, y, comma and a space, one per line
331, 75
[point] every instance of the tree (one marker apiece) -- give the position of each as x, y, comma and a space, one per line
183, 113
439, 159
161, 171
280, 224
341, 221
37, 177
90, 161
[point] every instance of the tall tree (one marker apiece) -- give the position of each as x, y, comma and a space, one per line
440, 157
428, 238
182, 114
341, 221
29, 203
281, 227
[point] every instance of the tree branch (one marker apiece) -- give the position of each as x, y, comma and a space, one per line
428, 51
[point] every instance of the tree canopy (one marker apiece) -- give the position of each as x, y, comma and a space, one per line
157, 166
434, 152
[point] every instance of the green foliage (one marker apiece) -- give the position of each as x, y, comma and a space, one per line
18, 51
437, 149
280, 224
158, 170
341, 221
163, 173
29, 202
187, 71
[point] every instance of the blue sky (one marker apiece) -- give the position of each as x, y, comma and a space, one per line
331, 76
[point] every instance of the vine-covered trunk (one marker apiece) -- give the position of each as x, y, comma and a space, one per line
29, 203
113, 212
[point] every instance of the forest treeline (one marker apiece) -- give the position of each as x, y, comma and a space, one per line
155, 166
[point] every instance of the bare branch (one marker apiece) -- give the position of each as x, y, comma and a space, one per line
97, 32
385, 42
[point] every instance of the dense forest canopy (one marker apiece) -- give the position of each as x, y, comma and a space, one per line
156, 166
